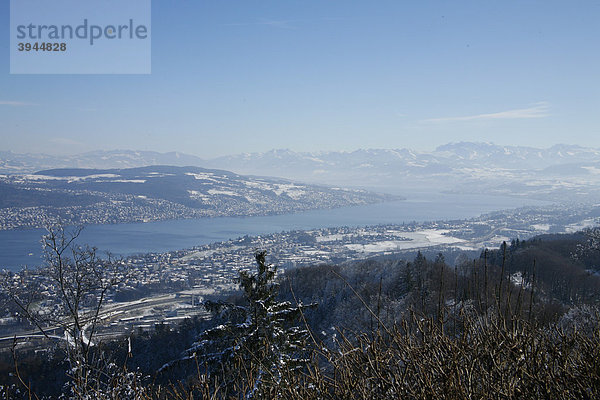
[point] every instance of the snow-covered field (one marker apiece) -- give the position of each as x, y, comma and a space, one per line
586, 223
424, 238
541, 227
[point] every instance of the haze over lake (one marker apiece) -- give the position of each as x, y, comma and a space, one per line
22, 247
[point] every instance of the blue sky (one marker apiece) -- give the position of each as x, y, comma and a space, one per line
245, 76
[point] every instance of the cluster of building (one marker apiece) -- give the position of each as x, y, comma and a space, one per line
113, 208
170, 286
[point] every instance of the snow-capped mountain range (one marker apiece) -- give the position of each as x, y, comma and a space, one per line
560, 170
15, 163
445, 158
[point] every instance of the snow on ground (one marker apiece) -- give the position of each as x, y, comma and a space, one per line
386, 245
159, 174
67, 178
225, 192
497, 240
331, 238
439, 236
256, 199
358, 234
467, 247
198, 254
194, 194
255, 184
424, 238
204, 176
517, 280
293, 191
207, 253
541, 227
592, 170
199, 291
586, 223
315, 252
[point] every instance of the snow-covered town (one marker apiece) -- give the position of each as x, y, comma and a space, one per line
168, 287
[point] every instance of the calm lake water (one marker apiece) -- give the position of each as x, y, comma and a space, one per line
22, 247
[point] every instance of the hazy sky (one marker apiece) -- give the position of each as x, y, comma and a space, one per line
244, 76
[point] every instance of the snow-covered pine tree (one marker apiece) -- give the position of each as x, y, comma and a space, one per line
590, 245
259, 340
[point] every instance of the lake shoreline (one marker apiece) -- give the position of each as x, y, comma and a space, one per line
168, 235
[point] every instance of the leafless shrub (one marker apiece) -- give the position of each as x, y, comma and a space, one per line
77, 280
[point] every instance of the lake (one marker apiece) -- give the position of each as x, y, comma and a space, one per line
22, 247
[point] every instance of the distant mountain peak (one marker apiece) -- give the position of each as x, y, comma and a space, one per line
452, 165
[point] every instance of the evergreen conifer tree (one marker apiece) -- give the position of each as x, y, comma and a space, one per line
259, 340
